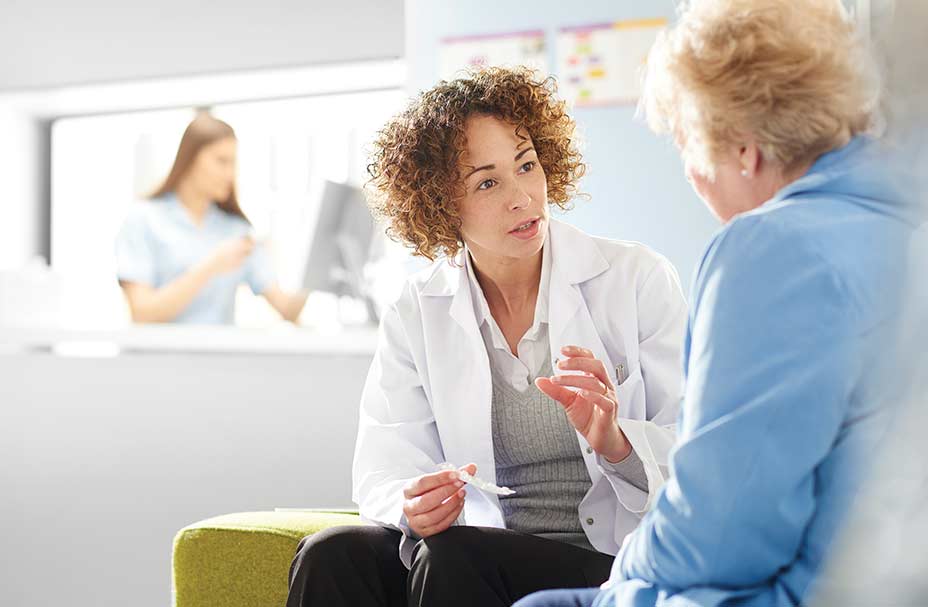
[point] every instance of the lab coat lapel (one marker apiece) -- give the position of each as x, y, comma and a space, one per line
465, 385
575, 260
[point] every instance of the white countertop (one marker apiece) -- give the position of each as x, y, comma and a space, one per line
282, 339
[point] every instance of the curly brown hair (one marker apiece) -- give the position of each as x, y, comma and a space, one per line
414, 167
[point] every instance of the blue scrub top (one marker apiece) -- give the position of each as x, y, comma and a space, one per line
158, 242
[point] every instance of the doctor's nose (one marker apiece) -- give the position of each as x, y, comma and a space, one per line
520, 200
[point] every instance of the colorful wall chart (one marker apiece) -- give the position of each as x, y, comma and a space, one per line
601, 64
509, 49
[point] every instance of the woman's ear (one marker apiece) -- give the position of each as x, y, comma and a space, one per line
749, 157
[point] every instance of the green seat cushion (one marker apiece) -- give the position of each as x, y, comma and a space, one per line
243, 559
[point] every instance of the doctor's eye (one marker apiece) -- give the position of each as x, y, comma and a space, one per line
528, 166
486, 184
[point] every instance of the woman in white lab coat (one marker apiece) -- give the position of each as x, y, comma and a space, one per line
465, 369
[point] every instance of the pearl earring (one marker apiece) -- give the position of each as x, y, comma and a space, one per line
744, 172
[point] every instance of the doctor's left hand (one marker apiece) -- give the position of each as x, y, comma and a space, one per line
590, 405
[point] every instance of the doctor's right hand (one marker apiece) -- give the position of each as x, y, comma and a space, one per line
432, 502
230, 254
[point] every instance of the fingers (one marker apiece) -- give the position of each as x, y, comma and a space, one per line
427, 482
426, 513
436, 519
431, 500
446, 521
581, 359
577, 351
571, 398
452, 516
584, 382
600, 401
561, 394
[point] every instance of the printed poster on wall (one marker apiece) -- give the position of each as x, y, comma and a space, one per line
508, 49
601, 64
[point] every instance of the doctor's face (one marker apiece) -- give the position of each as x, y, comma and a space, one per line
213, 170
504, 210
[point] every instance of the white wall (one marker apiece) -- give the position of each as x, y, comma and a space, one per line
103, 460
22, 225
51, 43
51, 50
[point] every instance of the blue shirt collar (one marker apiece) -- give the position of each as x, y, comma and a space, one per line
181, 214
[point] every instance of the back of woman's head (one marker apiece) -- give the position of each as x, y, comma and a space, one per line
415, 165
794, 75
202, 131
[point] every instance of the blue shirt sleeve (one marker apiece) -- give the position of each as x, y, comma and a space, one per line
135, 250
768, 362
259, 271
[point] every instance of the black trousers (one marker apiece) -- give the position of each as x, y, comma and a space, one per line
474, 566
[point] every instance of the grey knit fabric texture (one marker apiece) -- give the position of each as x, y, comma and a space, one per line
538, 456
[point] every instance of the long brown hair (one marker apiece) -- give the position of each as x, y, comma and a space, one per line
202, 131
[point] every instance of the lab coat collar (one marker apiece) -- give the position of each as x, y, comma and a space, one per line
575, 258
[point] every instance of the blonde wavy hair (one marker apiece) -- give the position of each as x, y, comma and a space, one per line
796, 75
415, 178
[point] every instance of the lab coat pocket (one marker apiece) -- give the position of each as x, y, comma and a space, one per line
629, 392
652, 442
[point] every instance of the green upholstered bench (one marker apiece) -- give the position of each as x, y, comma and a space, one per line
243, 560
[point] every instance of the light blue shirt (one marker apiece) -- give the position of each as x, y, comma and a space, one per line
159, 242
787, 390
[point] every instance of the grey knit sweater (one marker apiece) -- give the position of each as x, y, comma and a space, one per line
538, 456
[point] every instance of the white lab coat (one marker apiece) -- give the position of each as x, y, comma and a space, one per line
427, 398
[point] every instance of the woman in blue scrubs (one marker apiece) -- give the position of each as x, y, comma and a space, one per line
182, 255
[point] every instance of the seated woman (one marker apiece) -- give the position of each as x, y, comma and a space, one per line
466, 176
181, 256
790, 361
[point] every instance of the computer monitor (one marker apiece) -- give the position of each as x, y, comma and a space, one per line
340, 244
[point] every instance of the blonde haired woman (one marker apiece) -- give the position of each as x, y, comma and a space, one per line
182, 255
792, 308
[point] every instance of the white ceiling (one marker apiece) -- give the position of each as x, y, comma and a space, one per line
47, 43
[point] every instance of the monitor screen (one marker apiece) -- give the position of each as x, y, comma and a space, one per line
340, 243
